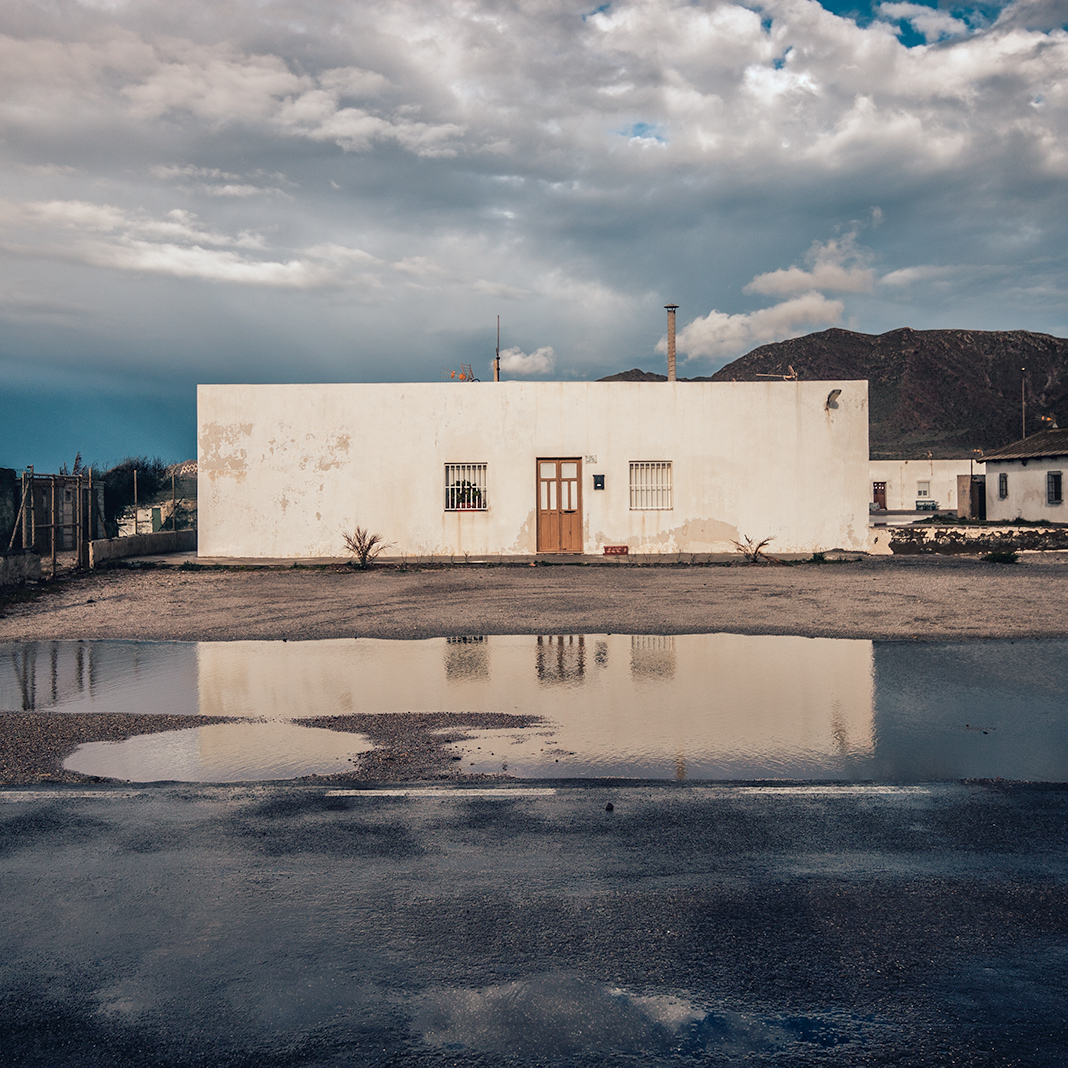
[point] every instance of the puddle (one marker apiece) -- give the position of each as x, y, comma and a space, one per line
221, 752
701, 706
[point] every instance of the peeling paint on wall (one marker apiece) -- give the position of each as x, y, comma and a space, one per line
220, 454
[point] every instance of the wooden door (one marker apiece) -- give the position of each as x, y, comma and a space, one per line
560, 506
879, 495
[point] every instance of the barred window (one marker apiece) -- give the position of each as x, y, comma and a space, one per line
1053, 487
1003, 486
650, 485
465, 488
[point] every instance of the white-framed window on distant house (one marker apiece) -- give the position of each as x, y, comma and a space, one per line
923, 489
465, 488
1003, 486
1053, 487
650, 485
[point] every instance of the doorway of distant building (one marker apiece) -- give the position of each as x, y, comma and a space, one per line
560, 505
879, 495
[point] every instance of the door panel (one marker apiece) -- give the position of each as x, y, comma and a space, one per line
560, 506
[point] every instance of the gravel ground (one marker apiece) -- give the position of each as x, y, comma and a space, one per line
877, 598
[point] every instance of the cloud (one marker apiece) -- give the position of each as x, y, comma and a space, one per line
540, 362
248, 169
933, 24
178, 245
907, 276
718, 335
836, 265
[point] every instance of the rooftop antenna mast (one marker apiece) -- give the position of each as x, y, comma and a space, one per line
497, 357
1023, 403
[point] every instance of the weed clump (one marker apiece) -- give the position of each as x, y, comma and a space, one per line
364, 547
753, 551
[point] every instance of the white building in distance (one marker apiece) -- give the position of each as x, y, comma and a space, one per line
478, 470
918, 485
1025, 480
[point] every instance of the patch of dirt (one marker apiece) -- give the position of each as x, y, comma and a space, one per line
412, 745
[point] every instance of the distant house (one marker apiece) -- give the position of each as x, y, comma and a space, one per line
916, 485
1025, 480
518, 468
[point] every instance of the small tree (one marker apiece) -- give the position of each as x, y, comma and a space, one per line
364, 547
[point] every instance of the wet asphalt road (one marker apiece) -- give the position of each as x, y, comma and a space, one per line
277, 925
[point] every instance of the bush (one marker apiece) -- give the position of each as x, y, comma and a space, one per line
1001, 557
118, 487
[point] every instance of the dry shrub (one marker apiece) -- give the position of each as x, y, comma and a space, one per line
753, 551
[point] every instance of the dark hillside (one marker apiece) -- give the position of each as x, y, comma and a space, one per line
943, 391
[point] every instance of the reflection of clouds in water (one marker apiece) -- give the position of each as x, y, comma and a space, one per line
561, 1015
221, 752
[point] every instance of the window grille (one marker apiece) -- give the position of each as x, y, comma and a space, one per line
1003, 486
465, 488
1053, 487
650, 485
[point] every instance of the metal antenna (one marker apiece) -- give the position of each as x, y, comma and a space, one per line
1023, 404
497, 357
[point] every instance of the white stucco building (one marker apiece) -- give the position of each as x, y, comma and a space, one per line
515, 468
1025, 480
908, 485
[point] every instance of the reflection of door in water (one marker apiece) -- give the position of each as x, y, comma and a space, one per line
879, 494
559, 506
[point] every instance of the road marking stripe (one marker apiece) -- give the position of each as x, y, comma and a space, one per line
436, 791
64, 795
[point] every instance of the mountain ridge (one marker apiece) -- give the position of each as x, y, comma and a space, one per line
940, 392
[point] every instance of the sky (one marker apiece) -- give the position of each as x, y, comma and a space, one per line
329, 191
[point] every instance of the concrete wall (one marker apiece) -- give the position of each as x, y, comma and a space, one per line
18, 567
166, 541
1026, 490
901, 477
285, 469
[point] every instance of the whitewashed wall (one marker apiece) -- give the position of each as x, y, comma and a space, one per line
1026, 489
901, 477
285, 469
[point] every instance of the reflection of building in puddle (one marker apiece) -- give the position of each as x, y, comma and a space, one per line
690, 706
466, 657
561, 658
652, 656
696, 707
